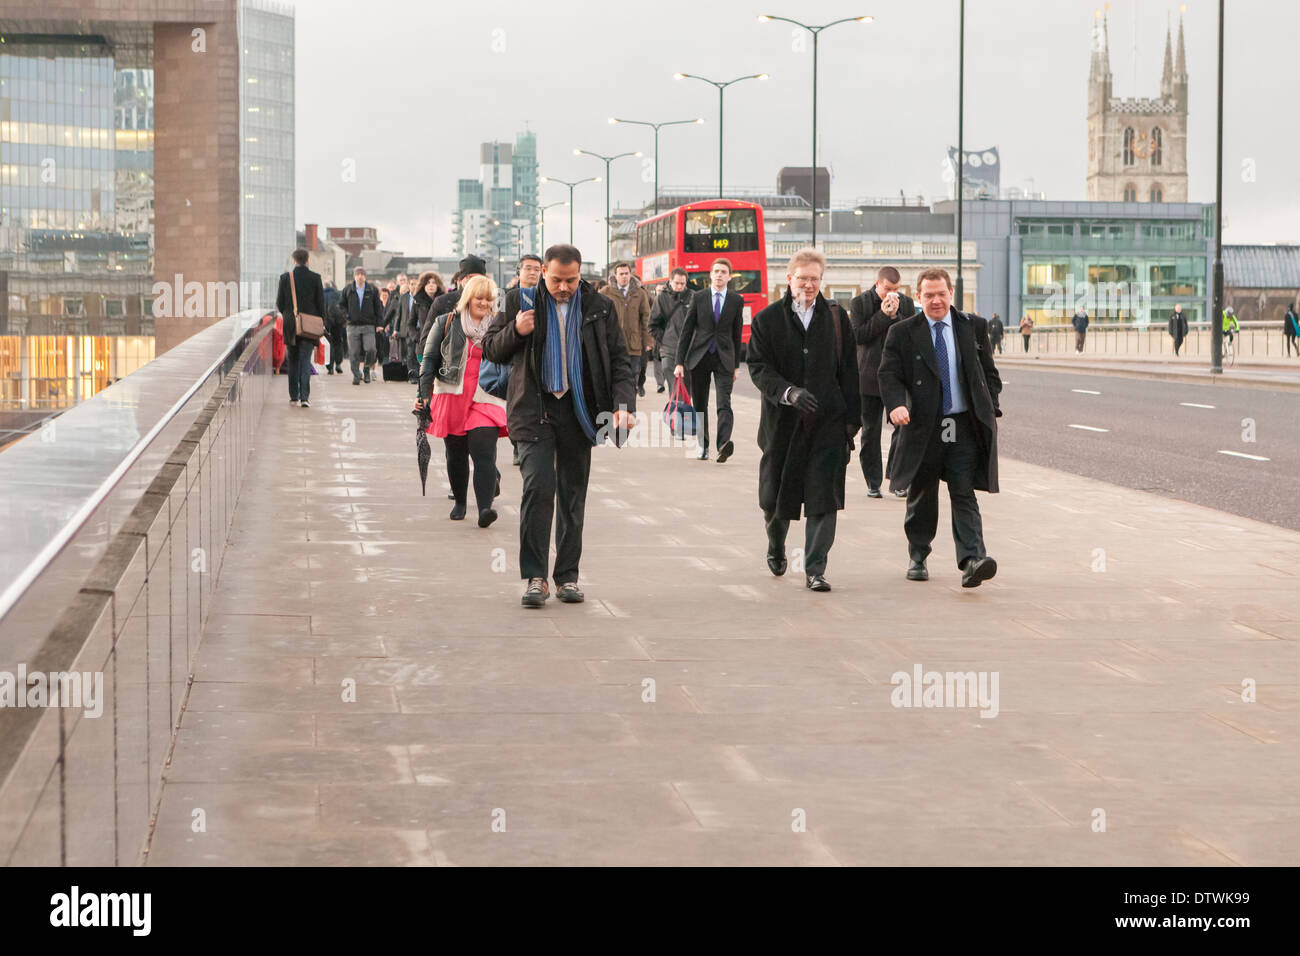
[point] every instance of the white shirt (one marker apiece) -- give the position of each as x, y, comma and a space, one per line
805, 316
950, 343
622, 289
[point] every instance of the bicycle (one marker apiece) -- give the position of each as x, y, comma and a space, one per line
1229, 349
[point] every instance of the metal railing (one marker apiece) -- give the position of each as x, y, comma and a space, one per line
116, 518
1255, 341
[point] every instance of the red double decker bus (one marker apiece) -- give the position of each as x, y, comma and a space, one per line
692, 236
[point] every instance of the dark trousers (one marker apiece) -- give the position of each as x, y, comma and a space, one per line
338, 336
710, 367
297, 364
873, 414
411, 359
1079, 339
661, 376
997, 343
1025, 336
480, 446
555, 469
955, 462
1291, 344
1178, 343
642, 362
819, 535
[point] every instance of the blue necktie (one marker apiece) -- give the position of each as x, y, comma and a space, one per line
941, 353
717, 314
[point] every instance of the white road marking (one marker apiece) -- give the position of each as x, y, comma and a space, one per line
1085, 391
1242, 454
1194, 405
1090, 428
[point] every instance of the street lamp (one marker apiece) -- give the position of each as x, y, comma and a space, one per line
542, 211
497, 247
518, 230
589, 179
656, 127
721, 87
608, 160
1216, 317
815, 31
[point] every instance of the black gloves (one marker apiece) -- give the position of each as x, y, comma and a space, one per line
803, 400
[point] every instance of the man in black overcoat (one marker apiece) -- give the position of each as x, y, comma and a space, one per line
802, 359
940, 385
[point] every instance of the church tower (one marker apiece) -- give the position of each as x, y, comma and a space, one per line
1137, 148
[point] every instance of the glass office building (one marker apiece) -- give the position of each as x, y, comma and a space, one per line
1121, 261
267, 229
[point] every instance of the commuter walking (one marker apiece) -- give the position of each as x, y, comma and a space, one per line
1291, 329
1080, 323
569, 369
709, 349
361, 307
996, 331
300, 291
939, 383
1026, 329
1177, 327
667, 316
336, 330
463, 415
872, 314
632, 304
802, 361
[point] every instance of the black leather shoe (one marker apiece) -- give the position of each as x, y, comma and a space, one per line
777, 564
978, 570
535, 593
367, 376
660, 389
874, 493
451, 496
818, 583
725, 451
570, 593
458, 512
486, 517
900, 493
916, 571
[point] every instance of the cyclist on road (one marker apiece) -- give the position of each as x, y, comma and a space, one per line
1230, 326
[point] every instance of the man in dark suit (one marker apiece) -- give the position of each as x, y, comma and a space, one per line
360, 305
800, 359
710, 347
938, 380
298, 347
872, 314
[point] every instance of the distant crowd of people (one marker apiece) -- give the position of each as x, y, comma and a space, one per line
556, 361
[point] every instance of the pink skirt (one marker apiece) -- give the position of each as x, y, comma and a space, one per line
457, 414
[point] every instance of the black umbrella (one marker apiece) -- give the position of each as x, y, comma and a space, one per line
423, 418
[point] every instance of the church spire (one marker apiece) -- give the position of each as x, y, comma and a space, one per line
1180, 71
1166, 78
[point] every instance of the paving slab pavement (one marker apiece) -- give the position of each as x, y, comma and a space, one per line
368, 690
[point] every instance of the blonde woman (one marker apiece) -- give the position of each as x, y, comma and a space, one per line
466, 418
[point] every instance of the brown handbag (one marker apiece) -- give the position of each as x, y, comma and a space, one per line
307, 326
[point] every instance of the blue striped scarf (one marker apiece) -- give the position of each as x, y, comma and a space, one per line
553, 371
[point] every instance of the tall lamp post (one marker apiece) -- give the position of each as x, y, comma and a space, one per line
1216, 319
571, 185
541, 210
816, 32
656, 127
497, 247
607, 160
721, 86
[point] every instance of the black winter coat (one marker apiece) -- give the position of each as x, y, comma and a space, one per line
311, 299
608, 376
909, 375
804, 456
869, 328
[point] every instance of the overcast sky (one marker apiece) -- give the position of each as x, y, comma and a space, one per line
407, 89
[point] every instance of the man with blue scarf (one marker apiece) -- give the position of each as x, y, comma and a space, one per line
570, 378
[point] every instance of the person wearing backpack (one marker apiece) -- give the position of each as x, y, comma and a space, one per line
1291, 329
